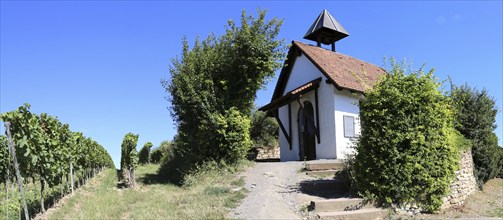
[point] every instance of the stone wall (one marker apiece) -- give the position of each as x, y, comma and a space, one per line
268, 153
464, 184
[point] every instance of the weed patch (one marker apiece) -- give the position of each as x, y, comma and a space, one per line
216, 190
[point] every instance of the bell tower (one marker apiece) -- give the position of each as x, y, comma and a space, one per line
326, 30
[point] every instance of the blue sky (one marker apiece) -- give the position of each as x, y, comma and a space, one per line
98, 65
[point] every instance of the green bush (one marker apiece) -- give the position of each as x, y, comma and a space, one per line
486, 157
144, 153
475, 114
173, 168
231, 133
160, 152
406, 151
461, 142
226, 138
500, 162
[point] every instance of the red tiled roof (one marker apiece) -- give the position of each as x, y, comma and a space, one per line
345, 71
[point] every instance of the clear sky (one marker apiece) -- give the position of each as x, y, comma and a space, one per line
98, 65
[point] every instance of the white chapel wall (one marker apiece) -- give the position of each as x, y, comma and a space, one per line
304, 71
345, 103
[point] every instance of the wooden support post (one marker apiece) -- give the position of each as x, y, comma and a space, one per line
7, 185
300, 103
67, 182
133, 178
283, 129
317, 115
42, 189
71, 177
16, 168
290, 125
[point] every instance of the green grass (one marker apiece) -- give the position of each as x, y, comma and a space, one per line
498, 212
32, 196
208, 195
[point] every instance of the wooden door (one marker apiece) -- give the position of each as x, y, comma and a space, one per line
307, 145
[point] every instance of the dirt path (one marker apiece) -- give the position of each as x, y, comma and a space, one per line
272, 187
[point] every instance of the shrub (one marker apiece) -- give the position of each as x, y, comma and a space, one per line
232, 133
500, 162
406, 151
144, 153
160, 152
226, 138
476, 119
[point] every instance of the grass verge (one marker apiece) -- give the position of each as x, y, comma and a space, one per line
207, 194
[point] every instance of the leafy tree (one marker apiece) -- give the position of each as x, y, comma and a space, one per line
129, 159
218, 78
160, 152
144, 154
406, 151
264, 131
476, 119
500, 162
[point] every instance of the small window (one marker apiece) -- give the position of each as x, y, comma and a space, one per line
349, 126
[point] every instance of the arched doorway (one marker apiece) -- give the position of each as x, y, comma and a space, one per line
307, 131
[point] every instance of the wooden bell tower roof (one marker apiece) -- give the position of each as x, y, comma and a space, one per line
326, 30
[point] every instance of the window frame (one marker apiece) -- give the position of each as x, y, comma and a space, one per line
344, 123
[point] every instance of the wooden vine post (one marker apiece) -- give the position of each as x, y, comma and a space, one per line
16, 168
7, 185
71, 176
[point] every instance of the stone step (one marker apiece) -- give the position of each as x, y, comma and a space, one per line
322, 173
331, 185
365, 214
339, 204
324, 165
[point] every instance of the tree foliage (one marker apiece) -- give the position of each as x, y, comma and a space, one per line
163, 150
500, 162
476, 119
144, 153
406, 151
264, 131
213, 86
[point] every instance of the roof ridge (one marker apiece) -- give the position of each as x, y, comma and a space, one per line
337, 53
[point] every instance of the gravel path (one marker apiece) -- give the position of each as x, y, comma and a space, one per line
273, 189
